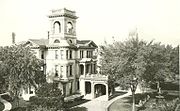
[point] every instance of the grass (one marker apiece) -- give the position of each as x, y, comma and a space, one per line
117, 93
75, 103
120, 105
169, 89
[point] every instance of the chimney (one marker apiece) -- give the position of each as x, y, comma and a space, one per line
13, 37
48, 34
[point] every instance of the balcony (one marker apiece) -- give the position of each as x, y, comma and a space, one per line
94, 77
60, 79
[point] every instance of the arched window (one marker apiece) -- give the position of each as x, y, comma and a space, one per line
57, 27
69, 27
56, 41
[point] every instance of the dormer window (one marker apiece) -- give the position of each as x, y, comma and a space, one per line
56, 41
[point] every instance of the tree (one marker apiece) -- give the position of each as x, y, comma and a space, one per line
20, 67
124, 60
147, 61
162, 64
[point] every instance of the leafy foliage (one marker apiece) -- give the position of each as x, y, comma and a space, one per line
48, 90
19, 67
147, 61
48, 97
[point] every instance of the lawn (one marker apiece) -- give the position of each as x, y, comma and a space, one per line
169, 90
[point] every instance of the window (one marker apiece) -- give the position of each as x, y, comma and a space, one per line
67, 70
61, 70
70, 70
56, 70
42, 54
61, 54
94, 68
67, 54
81, 53
91, 68
89, 54
56, 54
77, 85
57, 27
87, 68
70, 87
56, 41
69, 27
70, 54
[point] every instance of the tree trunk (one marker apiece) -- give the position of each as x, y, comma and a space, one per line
133, 101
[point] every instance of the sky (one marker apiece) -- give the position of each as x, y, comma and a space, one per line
99, 20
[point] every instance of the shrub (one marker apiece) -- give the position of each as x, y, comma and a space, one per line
48, 96
1, 106
48, 90
170, 106
49, 102
7, 98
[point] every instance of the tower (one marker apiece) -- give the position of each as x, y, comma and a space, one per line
62, 26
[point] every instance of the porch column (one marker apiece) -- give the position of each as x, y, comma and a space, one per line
107, 94
84, 68
92, 90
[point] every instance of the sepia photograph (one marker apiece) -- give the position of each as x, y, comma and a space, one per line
93, 55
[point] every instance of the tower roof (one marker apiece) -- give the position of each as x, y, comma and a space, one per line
63, 13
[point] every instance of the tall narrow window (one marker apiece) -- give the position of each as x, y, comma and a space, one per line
56, 54
94, 68
67, 70
42, 54
70, 54
87, 54
61, 52
91, 53
70, 70
67, 54
70, 87
81, 53
56, 70
61, 70
91, 68
57, 27
77, 85
69, 27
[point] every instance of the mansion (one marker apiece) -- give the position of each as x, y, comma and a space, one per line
68, 62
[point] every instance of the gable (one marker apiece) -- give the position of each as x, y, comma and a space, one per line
31, 44
92, 44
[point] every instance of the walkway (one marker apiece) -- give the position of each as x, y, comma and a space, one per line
7, 104
98, 105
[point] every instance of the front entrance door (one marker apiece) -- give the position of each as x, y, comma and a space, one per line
88, 87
